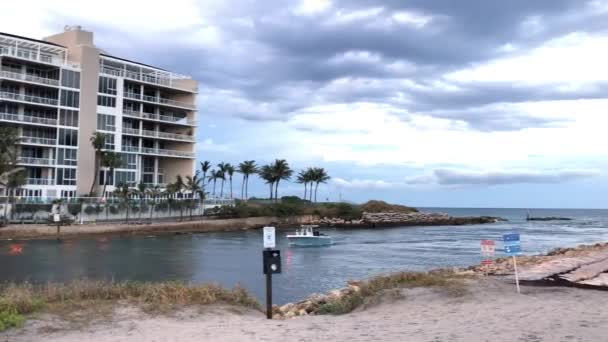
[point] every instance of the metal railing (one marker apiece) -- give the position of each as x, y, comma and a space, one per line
126, 148
147, 150
28, 78
35, 161
158, 100
27, 118
155, 134
131, 131
35, 56
163, 81
38, 141
28, 98
157, 117
40, 181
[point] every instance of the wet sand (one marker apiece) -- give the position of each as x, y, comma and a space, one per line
491, 310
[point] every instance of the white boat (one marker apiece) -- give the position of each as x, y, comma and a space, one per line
308, 236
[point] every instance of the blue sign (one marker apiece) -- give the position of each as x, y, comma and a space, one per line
512, 243
511, 250
510, 237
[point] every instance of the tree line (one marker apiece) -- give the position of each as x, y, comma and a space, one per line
272, 174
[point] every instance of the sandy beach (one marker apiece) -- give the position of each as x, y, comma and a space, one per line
491, 310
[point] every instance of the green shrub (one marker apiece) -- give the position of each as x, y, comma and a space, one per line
114, 210
33, 208
162, 206
383, 207
74, 208
10, 319
90, 210
348, 211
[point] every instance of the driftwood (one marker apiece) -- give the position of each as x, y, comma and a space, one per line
600, 280
586, 272
558, 266
590, 270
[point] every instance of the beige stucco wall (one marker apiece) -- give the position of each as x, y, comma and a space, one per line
82, 51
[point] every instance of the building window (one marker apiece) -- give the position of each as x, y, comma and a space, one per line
106, 101
70, 79
68, 193
9, 108
68, 137
109, 142
106, 122
125, 177
107, 85
102, 177
129, 160
67, 156
70, 98
68, 117
66, 176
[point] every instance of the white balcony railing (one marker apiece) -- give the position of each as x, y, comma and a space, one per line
35, 56
27, 98
40, 181
27, 118
159, 100
35, 161
38, 141
172, 153
157, 117
130, 131
28, 78
155, 134
163, 81
126, 148
173, 136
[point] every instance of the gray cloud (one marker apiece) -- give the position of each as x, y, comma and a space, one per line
274, 63
455, 177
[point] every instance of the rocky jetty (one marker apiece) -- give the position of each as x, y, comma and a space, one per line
584, 266
551, 262
550, 218
312, 304
392, 219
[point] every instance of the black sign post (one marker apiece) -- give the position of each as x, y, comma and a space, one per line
272, 264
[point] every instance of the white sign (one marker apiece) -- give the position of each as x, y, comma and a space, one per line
488, 248
269, 237
56, 217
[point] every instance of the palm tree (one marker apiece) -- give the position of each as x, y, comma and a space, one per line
179, 187
14, 182
222, 171
215, 175
319, 176
141, 190
230, 172
9, 137
267, 174
110, 160
246, 168
281, 171
124, 193
304, 178
98, 141
153, 192
170, 191
205, 167
193, 184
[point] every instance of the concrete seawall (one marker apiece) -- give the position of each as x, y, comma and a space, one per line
37, 231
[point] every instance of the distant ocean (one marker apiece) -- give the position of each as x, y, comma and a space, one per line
235, 257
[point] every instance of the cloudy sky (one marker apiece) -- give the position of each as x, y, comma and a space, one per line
423, 102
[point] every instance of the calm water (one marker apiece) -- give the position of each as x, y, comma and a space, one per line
235, 257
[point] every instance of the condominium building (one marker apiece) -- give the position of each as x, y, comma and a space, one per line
60, 90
